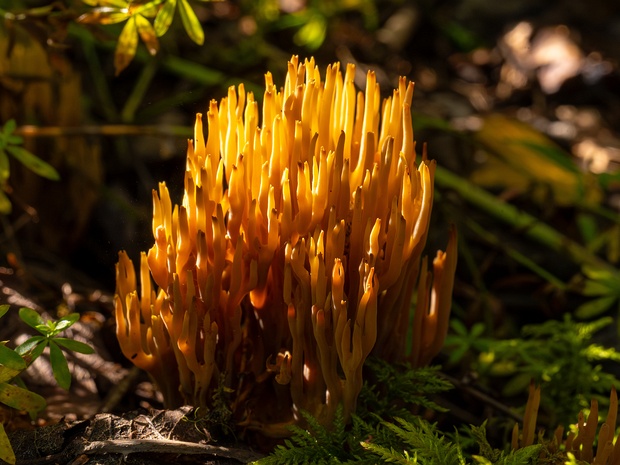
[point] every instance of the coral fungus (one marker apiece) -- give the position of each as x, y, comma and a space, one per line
294, 254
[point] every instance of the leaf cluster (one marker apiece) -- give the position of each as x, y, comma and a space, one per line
560, 357
146, 21
14, 361
11, 144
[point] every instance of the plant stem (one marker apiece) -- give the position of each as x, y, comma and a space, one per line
530, 226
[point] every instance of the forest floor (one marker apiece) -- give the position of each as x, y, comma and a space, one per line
552, 66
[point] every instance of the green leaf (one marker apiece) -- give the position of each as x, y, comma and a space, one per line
9, 127
312, 33
67, 321
190, 22
28, 347
7, 374
477, 330
593, 288
34, 163
149, 9
163, 20
126, 46
3, 309
600, 274
30, 317
110, 3
38, 350
481, 460
14, 140
21, 399
104, 16
6, 451
5, 168
458, 327
594, 307
60, 367
11, 359
74, 345
5, 203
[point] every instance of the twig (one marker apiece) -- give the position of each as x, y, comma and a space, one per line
105, 130
145, 446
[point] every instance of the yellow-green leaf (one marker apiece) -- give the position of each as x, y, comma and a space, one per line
7, 374
312, 34
126, 46
11, 359
6, 451
594, 307
104, 16
525, 159
33, 163
149, 9
21, 399
163, 20
191, 23
5, 168
113, 3
5, 203
147, 34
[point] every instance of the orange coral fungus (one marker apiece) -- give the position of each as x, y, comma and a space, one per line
293, 255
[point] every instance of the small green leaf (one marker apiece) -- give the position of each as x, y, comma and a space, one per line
29, 345
34, 163
312, 33
47, 328
9, 127
3, 309
163, 20
21, 399
458, 327
477, 330
126, 46
149, 9
190, 22
5, 168
110, 3
11, 359
30, 317
73, 345
457, 354
38, 350
103, 16
15, 140
594, 307
60, 367
66, 322
6, 451
5, 203
592, 288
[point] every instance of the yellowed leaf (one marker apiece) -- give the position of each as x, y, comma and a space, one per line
524, 159
104, 16
147, 34
126, 46
6, 451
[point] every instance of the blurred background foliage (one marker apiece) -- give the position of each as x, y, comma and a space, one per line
519, 102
